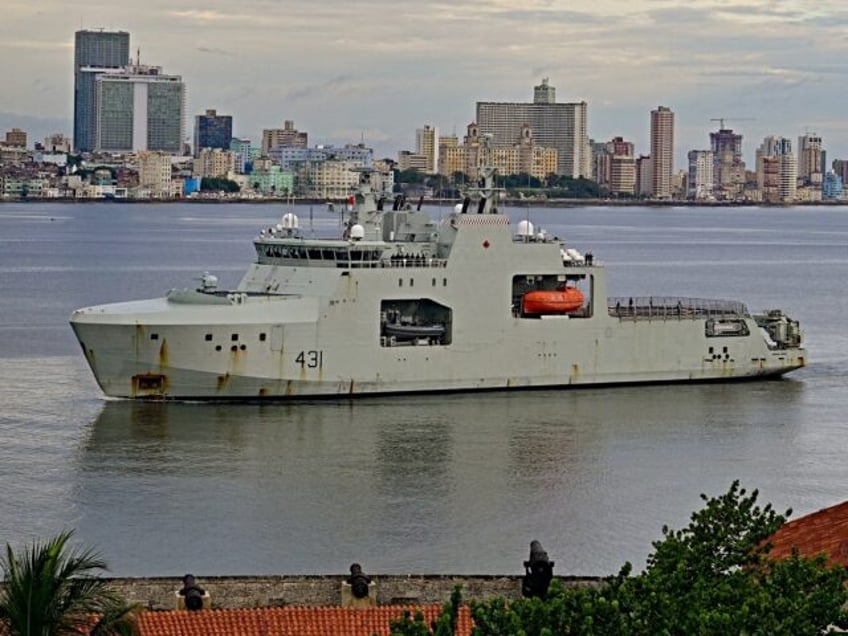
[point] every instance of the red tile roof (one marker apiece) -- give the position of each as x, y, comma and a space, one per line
825, 531
287, 621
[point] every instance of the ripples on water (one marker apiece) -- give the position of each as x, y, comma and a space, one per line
457, 483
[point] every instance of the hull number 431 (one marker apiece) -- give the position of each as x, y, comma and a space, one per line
310, 359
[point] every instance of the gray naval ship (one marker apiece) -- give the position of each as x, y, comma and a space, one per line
400, 303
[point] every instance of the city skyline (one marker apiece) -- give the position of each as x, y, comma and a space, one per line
775, 64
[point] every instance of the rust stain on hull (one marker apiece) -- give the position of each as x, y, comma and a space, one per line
149, 384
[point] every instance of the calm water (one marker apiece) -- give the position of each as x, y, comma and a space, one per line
414, 484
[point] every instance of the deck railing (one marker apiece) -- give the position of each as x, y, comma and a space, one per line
672, 308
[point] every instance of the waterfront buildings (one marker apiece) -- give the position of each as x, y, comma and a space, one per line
811, 163
615, 166
523, 156
286, 137
427, 145
562, 126
728, 166
425, 157
840, 168
662, 152
139, 108
243, 151
214, 163
701, 178
94, 52
212, 131
776, 170
154, 174
271, 180
832, 189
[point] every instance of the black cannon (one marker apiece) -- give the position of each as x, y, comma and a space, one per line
193, 593
358, 581
539, 570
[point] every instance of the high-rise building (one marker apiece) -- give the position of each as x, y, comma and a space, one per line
286, 137
832, 187
212, 131
139, 108
615, 166
241, 149
810, 164
728, 165
554, 125
427, 144
94, 51
776, 170
701, 178
644, 175
544, 94
662, 152
16, 138
840, 167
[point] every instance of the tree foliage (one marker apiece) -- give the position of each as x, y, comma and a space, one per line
49, 590
444, 625
712, 577
218, 184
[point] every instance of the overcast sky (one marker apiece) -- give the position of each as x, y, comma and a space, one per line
379, 69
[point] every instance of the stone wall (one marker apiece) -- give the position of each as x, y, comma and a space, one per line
265, 591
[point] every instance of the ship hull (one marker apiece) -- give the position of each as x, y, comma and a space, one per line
313, 318
531, 354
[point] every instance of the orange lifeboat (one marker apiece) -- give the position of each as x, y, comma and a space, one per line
564, 300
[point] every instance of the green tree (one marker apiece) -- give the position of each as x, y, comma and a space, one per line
712, 577
49, 590
444, 625
218, 184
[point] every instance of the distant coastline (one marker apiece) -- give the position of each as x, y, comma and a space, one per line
513, 203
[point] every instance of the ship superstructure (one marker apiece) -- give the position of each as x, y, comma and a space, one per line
401, 303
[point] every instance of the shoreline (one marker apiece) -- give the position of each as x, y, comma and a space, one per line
513, 203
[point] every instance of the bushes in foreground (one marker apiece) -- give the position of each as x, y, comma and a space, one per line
712, 577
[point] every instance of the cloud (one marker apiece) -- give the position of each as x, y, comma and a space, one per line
332, 87
215, 51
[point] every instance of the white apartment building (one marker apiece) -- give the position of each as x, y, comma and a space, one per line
154, 173
554, 125
701, 164
777, 170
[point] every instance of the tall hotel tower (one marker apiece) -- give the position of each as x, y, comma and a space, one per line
553, 125
94, 52
139, 108
662, 151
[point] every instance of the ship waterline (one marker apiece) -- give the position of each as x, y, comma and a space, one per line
401, 304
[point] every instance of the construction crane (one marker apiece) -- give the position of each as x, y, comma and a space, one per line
721, 120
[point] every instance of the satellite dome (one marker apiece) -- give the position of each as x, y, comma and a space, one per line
525, 228
357, 232
457, 208
290, 221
